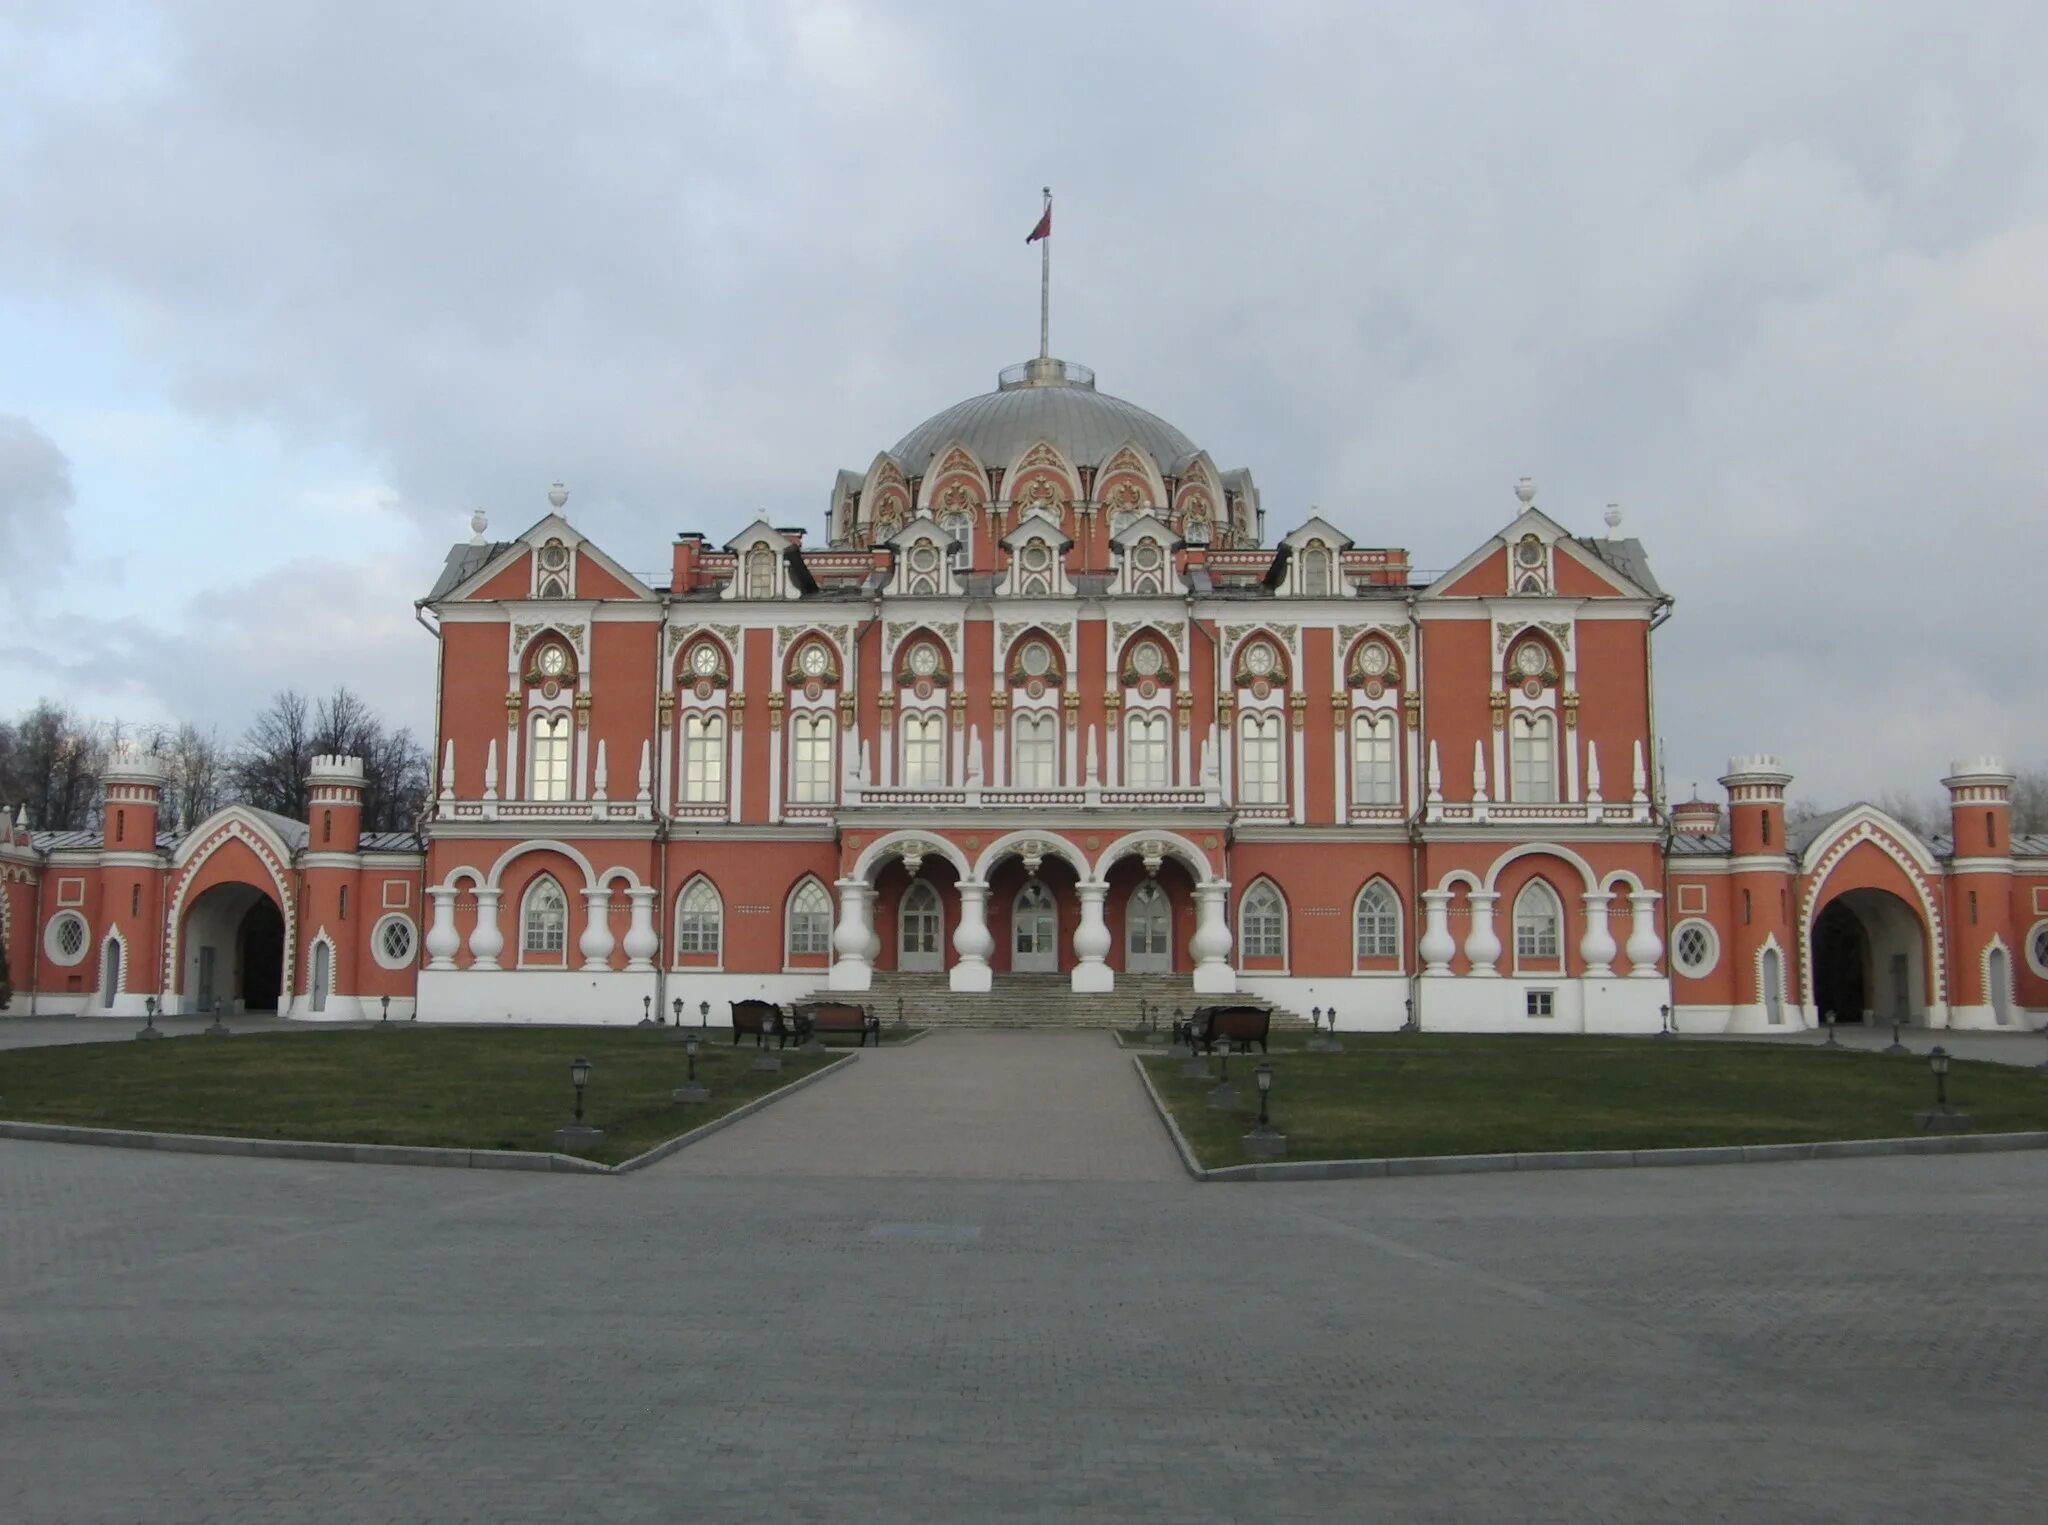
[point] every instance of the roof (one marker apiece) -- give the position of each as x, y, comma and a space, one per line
391, 842
464, 562
1705, 844
1088, 426
1626, 557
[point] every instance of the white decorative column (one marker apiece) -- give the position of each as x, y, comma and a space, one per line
1212, 941
1091, 941
1482, 943
486, 942
971, 939
1437, 946
596, 942
442, 938
851, 969
1597, 946
1644, 947
642, 941
874, 936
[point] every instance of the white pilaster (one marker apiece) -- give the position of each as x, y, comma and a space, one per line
486, 942
1644, 947
642, 941
596, 942
1437, 947
851, 969
1596, 947
1212, 942
971, 939
1091, 941
442, 938
1482, 943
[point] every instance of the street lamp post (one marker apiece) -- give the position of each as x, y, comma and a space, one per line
691, 1093
149, 1027
384, 1002
218, 1029
1265, 1141
646, 1012
1408, 1026
1223, 1093
1827, 1020
703, 1015
1664, 1013
1941, 1117
579, 1135
1896, 1047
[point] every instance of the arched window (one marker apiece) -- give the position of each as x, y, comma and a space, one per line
1034, 760
923, 575
919, 924
1535, 759
810, 767
1259, 777
1315, 570
1770, 971
703, 758
1262, 918
699, 913
1377, 924
1538, 923
810, 919
761, 572
1145, 759
924, 751
110, 972
1035, 568
1148, 567
544, 920
550, 757
1373, 775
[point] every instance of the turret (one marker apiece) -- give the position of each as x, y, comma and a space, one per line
1756, 804
1696, 818
1980, 807
334, 810
133, 784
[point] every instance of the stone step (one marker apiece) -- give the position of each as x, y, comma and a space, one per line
1040, 1000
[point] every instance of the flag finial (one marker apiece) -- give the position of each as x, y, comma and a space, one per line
1042, 235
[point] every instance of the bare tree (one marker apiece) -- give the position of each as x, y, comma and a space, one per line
1926, 815
269, 769
2030, 801
50, 761
198, 774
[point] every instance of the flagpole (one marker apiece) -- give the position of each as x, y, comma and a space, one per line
1045, 288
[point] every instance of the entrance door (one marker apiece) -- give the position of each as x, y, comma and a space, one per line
1034, 932
323, 974
1774, 988
2001, 987
1148, 931
917, 929
110, 973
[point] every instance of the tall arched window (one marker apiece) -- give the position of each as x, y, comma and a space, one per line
1315, 570
1034, 759
1538, 922
924, 751
703, 758
810, 919
810, 767
1377, 925
550, 761
544, 919
1145, 757
1262, 918
1535, 759
1373, 775
1260, 780
699, 913
919, 923
761, 572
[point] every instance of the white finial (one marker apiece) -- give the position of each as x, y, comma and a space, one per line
478, 523
1613, 517
1479, 773
646, 770
973, 755
1436, 777
1592, 773
1092, 773
1525, 489
448, 771
557, 496
491, 770
604, 774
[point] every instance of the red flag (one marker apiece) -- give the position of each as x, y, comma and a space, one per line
1044, 228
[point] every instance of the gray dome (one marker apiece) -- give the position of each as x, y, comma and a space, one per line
1043, 399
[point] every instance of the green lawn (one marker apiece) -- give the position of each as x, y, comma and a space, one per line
460, 1088
1402, 1094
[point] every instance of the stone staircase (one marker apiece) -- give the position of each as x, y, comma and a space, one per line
1040, 1000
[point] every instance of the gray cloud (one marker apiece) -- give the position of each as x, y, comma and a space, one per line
1769, 279
36, 496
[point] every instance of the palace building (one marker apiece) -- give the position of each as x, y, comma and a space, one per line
1045, 712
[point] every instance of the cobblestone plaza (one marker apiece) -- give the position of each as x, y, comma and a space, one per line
956, 1284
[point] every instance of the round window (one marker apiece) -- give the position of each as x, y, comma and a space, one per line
1530, 553
554, 661
1037, 659
66, 938
1146, 556
924, 661
1147, 659
704, 661
1373, 660
1259, 660
1531, 660
2037, 949
813, 662
1037, 556
393, 942
554, 555
924, 557
1694, 948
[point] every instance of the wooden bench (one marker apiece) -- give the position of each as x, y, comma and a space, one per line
759, 1020
820, 1018
1238, 1027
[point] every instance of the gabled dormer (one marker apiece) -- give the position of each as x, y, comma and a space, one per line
552, 561
765, 565
924, 560
1144, 550
1309, 560
1035, 559
1536, 557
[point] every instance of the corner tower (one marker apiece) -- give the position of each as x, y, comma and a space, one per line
1980, 912
1761, 870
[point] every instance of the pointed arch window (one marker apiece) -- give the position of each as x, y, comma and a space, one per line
700, 915
810, 767
1148, 567
1373, 774
1315, 570
1145, 755
1034, 761
1376, 926
810, 919
1263, 919
703, 759
1538, 922
1535, 759
544, 918
923, 568
1034, 563
550, 757
761, 572
1260, 780
924, 750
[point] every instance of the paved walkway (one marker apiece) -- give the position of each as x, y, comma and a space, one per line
991, 1106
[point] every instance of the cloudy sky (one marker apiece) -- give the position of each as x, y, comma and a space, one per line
287, 289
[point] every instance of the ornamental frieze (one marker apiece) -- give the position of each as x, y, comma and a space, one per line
1347, 634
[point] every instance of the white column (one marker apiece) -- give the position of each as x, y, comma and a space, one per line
874, 937
971, 939
642, 940
1644, 947
442, 938
851, 969
1597, 946
486, 942
1437, 946
1091, 941
596, 942
1482, 943
1212, 941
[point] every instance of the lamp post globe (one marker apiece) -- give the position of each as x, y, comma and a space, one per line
149, 1029
1264, 1076
579, 1077
703, 1013
385, 1003
1937, 1061
679, 1011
